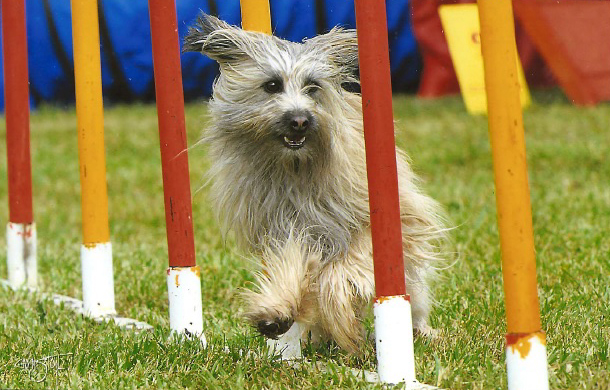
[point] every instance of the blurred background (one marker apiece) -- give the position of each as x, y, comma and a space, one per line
559, 42
127, 69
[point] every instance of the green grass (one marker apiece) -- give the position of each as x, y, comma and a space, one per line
570, 191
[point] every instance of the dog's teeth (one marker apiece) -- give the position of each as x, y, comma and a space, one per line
292, 142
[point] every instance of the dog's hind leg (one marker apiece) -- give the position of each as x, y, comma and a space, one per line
421, 304
421, 254
346, 287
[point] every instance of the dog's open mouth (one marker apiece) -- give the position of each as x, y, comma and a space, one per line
294, 141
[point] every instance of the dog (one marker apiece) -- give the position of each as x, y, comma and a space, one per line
288, 177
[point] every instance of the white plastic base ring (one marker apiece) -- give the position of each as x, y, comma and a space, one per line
21, 254
526, 362
185, 308
288, 345
98, 281
394, 340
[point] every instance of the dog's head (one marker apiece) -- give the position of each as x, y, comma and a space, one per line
282, 95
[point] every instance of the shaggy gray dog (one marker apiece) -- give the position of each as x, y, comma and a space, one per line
289, 179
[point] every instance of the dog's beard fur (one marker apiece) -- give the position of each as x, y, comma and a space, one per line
304, 210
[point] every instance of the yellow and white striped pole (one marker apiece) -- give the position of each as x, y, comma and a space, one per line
256, 16
96, 251
525, 341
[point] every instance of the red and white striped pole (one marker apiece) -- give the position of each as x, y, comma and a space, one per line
392, 309
183, 275
21, 229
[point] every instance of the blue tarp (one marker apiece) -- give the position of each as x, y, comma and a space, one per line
127, 70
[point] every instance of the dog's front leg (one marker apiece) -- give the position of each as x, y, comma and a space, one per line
283, 288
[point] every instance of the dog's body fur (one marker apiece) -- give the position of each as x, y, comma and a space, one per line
302, 207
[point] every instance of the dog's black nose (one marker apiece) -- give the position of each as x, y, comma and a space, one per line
299, 123
298, 120
274, 329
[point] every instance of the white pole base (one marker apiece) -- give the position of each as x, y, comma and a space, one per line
185, 307
21, 254
288, 345
394, 340
526, 362
98, 281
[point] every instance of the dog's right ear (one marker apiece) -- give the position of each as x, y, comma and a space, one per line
215, 39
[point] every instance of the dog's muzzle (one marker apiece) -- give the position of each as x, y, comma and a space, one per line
298, 124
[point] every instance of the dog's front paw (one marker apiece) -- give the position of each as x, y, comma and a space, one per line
268, 314
274, 328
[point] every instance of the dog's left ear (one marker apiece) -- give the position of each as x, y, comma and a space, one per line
341, 47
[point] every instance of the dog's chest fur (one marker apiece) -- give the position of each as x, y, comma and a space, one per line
260, 199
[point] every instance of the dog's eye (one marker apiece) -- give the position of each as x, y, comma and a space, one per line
273, 86
311, 87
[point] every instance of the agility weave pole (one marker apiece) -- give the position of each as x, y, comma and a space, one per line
392, 307
21, 229
525, 341
96, 252
256, 15
183, 275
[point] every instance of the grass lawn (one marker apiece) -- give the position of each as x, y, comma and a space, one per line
569, 175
